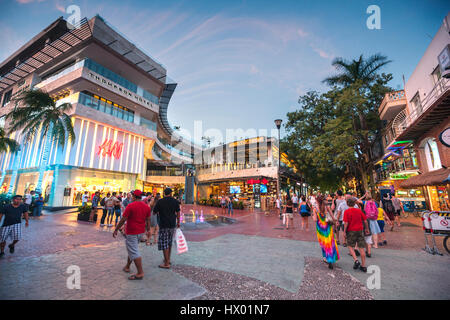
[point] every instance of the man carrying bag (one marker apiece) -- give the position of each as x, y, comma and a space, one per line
168, 210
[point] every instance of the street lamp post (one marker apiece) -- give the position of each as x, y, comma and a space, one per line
278, 124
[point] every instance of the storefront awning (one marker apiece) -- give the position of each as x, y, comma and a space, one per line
433, 178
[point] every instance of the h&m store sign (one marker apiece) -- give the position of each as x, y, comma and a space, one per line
99, 146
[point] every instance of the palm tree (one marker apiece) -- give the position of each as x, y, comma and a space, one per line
364, 71
40, 114
358, 74
6, 144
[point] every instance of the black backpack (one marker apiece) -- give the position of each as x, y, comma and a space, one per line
389, 207
103, 202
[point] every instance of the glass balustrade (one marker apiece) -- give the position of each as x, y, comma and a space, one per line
106, 106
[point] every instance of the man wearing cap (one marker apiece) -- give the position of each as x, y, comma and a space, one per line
168, 210
12, 225
137, 217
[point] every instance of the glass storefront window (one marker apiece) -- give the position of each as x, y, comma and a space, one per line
106, 106
432, 155
439, 198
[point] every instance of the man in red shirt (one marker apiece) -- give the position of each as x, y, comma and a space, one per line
354, 220
137, 217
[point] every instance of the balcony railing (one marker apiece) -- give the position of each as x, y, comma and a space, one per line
438, 90
159, 173
394, 96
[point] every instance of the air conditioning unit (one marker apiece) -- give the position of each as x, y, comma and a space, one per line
444, 62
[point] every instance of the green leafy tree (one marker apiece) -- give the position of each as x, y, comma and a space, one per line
331, 135
362, 90
303, 127
37, 113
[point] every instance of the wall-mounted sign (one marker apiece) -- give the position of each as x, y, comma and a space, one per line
122, 91
110, 149
256, 181
394, 176
444, 137
246, 141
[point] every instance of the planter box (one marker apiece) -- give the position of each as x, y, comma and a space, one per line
85, 217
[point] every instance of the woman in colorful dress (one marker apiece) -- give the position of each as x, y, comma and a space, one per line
325, 232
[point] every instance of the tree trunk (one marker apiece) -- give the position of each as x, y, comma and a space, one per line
364, 179
44, 161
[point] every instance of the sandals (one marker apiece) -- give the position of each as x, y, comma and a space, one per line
162, 266
134, 277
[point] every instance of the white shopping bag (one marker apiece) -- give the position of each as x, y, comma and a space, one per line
181, 241
284, 218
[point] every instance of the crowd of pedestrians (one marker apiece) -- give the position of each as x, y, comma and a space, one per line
344, 219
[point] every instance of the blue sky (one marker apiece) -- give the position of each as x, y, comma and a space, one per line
242, 64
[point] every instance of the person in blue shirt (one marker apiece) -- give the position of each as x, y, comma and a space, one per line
38, 205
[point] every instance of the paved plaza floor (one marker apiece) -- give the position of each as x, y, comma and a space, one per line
253, 258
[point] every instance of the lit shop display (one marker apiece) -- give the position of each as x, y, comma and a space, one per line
411, 199
439, 198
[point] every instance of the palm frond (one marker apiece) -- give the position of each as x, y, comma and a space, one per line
7, 143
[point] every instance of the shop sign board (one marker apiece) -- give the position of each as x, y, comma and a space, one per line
110, 149
246, 141
400, 176
444, 137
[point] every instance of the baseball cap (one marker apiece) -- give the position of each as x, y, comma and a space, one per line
137, 193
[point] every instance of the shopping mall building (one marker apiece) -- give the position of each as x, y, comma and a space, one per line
416, 136
119, 98
247, 169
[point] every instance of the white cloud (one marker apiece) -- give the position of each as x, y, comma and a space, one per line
254, 69
302, 33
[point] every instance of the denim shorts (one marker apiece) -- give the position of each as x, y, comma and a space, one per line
381, 225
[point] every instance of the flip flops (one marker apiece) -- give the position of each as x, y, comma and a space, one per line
134, 277
162, 266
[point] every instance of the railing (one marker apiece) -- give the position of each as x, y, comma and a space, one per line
395, 127
207, 169
396, 95
172, 173
438, 90
105, 72
60, 73
148, 123
105, 107
390, 97
166, 143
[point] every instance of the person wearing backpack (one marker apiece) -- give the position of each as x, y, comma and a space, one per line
389, 209
371, 211
105, 211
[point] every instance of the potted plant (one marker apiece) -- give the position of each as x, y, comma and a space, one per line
85, 212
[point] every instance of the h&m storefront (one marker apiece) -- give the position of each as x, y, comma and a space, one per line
103, 158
